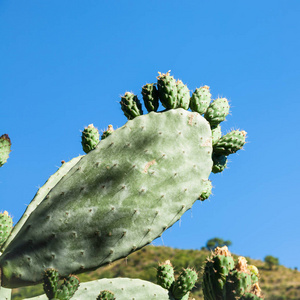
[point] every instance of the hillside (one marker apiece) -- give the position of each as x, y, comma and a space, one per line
278, 284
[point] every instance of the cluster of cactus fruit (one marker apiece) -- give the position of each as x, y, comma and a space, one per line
125, 192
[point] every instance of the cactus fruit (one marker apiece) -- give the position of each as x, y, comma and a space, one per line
184, 283
89, 138
230, 142
183, 95
238, 281
150, 97
216, 269
106, 295
66, 290
216, 134
131, 106
207, 190
219, 163
109, 205
200, 100
217, 111
107, 132
165, 275
254, 273
6, 225
5, 145
122, 288
167, 90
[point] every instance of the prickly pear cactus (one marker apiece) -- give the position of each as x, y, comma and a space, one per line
200, 100
106, 295
5, 145
165, 275
150, 97
89, 138
217, 111
107, 132
6, 225
183, 95
109, 205
167, 90
131, 106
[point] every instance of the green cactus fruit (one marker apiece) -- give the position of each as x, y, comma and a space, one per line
109, 205
41, 194
254, 294
165, 274
183, 95
216, 269
6, 225
89, 138
68, 288
230, 142
254, 273
122, 288
107, 132
207, 190
50, 283
167, 90
5, 145
219, 163
216, 134
150, 97
106, 295
217, 111
184, 283
131, 106
238, 281
200, 100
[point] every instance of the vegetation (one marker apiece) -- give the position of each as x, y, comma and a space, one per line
277, 284
271, 261
217, 242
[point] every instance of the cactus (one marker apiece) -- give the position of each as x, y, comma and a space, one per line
89, 138
6, 225
131, 106
150, 97
5, 145
107, 132
200, 100
167, 90
219, 163
217, 111
106, 295
122, 195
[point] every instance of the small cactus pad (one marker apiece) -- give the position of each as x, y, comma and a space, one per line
5, 145
184, 283
165, 274
183, 95
107, 132
106, 295
150, 97
254, 294
109, 205
89, 138
230, 142
216, 134
254, 273
68, 288
207, 190
131, 106
6, 225
167, 90
216, 269
200, 100
220, 163
238, 281
217, 111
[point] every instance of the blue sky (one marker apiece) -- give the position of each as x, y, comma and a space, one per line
64, 65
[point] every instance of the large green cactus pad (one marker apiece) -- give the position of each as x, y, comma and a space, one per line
116, 199
123, 289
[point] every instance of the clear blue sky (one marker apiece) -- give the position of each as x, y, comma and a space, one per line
64, 65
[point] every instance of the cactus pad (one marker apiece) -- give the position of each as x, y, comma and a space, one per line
106, 295
183, 95
167, 90
165, 274
107, 132
5, 145
6, 225
109, 205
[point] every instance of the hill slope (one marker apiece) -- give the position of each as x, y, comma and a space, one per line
278, 284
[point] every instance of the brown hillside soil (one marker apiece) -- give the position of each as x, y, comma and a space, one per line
280, 283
